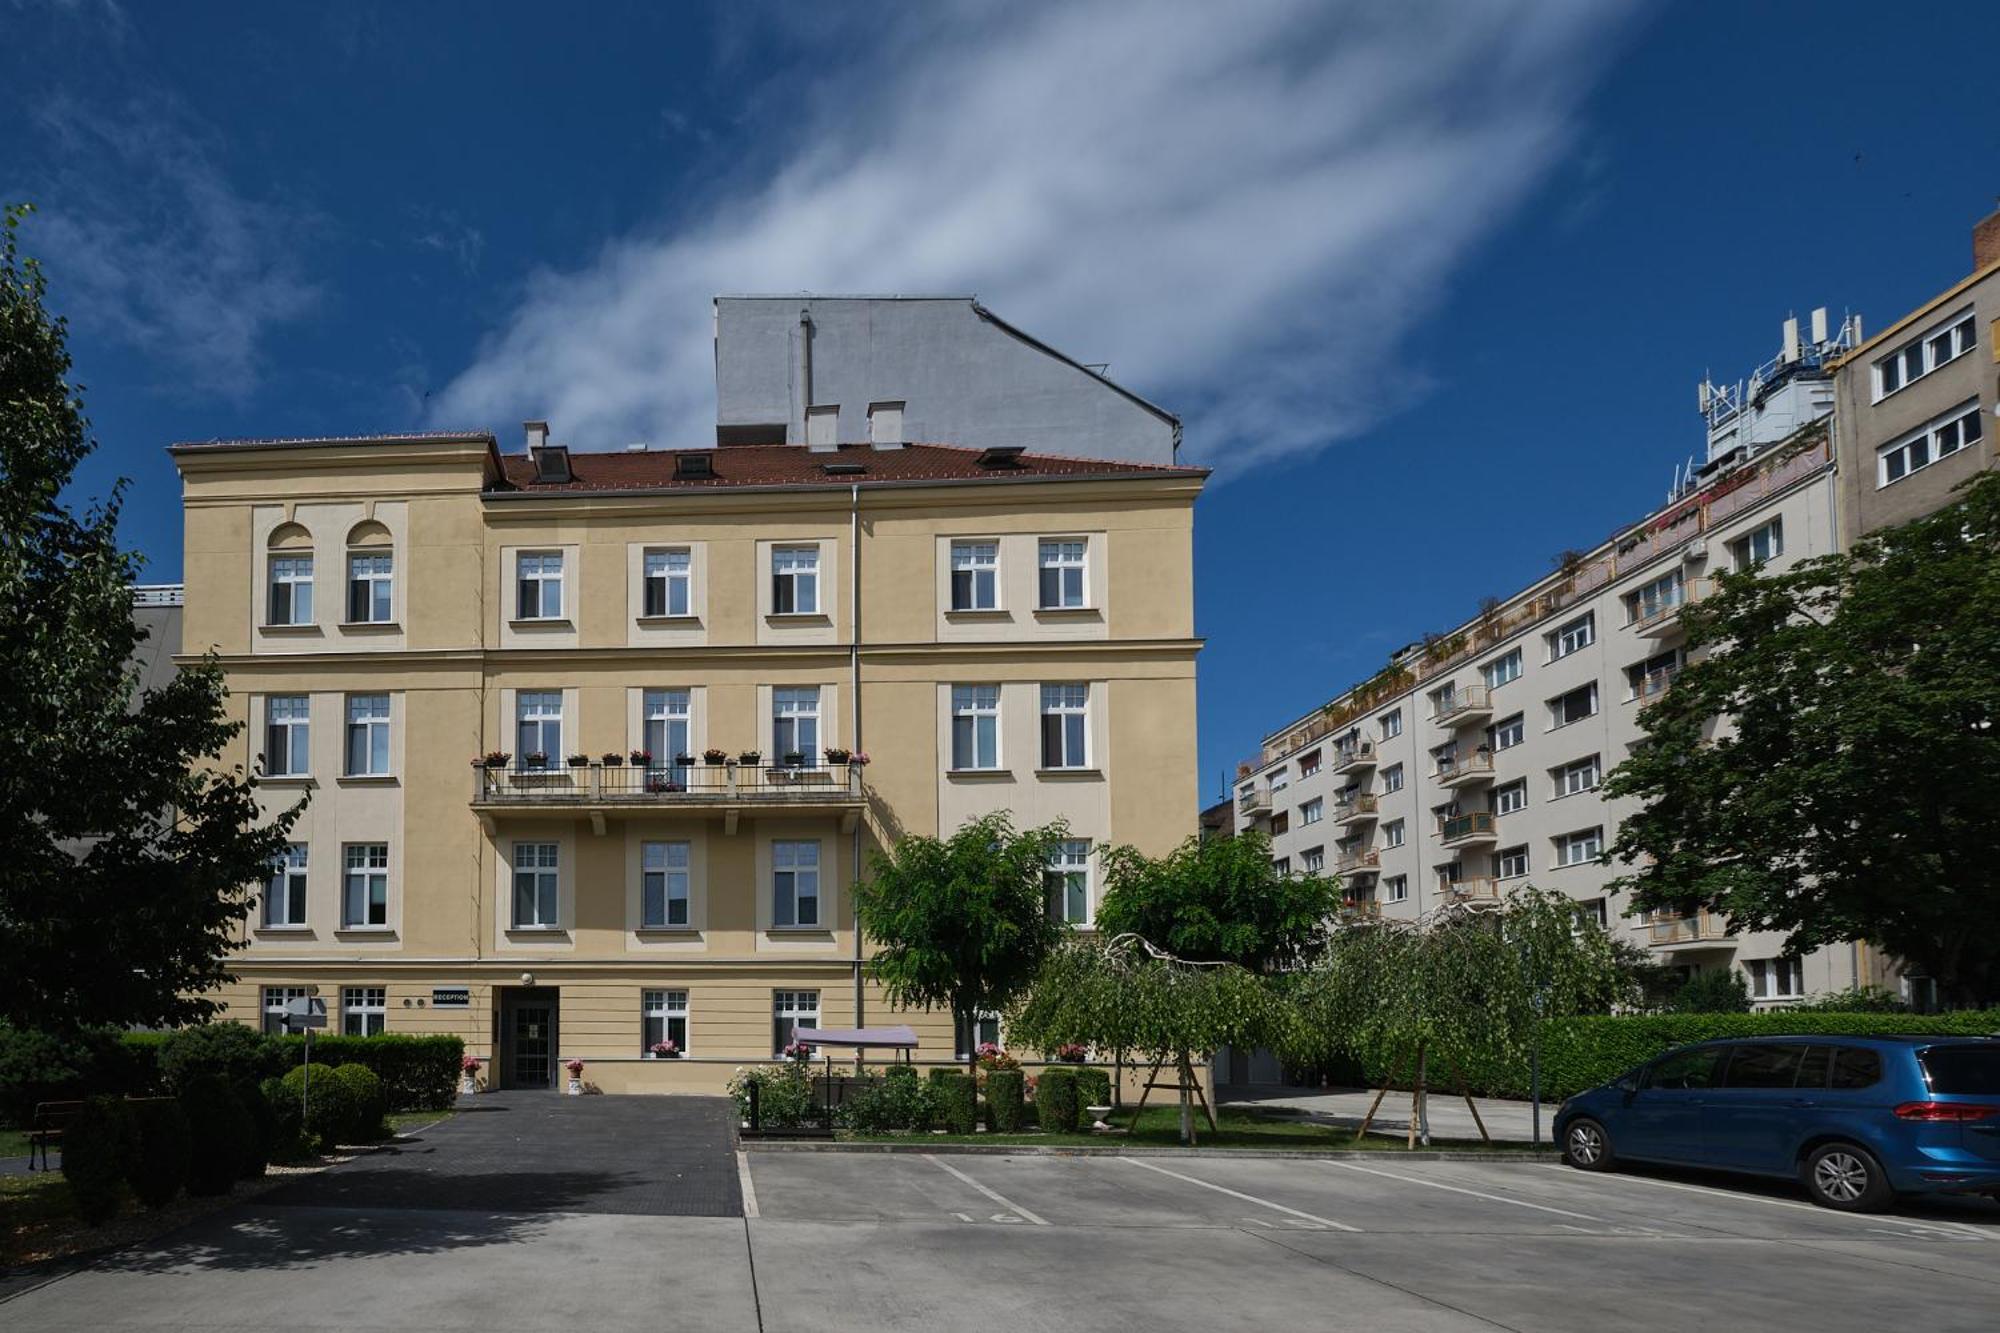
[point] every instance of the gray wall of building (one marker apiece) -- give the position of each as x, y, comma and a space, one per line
963, 376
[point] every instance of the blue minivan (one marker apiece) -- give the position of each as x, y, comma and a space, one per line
1857, 1120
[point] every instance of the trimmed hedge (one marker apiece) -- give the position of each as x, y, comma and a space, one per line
157, 1166
1093, 1087
1056, 1103
1005, 1090
231, 1052
957, 1100
366, 1106
417, 1073
97, 1149
328, 1113
41, 1067
287, 1120
219, 1135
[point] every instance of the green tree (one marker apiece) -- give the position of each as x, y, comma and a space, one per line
1217, 901
129, 859
961, 923
1825, 764
1715, 990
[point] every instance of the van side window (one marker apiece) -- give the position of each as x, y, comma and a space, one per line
1855, 1067
1687, 1069
1764, 1065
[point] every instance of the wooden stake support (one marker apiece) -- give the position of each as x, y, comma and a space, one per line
1395, 1067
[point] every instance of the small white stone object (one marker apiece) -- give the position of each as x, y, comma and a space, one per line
1097, 1114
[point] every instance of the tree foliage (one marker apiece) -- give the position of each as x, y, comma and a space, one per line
1825, 764
961, 923
129, 859
1219, 900
1114, 995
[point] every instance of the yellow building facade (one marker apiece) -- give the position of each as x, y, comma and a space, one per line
568, 729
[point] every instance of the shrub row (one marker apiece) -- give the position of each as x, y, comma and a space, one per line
1057, 1105
958, 1106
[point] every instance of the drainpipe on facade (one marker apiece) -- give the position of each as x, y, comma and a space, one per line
854, 731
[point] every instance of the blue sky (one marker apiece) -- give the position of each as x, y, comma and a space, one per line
1432, 284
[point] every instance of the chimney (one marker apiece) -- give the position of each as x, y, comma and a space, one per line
1986, 241
885, 425
538, 434
823, 428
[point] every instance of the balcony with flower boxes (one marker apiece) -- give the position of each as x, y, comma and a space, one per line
605, 791
1464, 706
1353, 758
1465, 770
1702, 928
1356, 809
1477, 829
1361, 861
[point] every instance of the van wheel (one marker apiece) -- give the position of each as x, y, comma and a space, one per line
1587, 1145
1847, 1177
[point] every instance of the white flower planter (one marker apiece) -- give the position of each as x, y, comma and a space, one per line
576, 1087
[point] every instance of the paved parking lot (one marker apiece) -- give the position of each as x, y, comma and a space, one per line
836, 1241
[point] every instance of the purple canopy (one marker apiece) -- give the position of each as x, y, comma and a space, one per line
902, 1038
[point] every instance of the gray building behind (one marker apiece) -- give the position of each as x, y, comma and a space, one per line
827, 370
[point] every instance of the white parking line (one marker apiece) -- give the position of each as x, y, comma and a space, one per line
743, 1179
1239, 1194
1457, 1189
1871, 1219
994, 1195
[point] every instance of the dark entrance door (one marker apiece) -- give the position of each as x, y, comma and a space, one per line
528, 1038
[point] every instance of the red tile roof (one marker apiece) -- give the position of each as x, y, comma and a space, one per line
793, 465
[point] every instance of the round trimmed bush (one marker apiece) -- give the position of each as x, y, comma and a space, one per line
1005, 1089
158, 1166
219, 1134
328, 1117
1056, 1104
287, 1120
366, 1103
97, 1146
262, 1119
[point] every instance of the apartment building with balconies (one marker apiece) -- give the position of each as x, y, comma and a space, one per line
1474, 763
593, 746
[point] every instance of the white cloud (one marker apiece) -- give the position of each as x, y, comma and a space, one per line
153, 246
1245, 208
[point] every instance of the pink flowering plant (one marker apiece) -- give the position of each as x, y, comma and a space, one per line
470, 1064
796, 1050
665, 1050
1072, 1052
575, 1068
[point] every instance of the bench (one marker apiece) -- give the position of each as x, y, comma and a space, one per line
51, 1118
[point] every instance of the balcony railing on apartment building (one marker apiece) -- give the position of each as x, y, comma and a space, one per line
1464, 770
1699, 927
600, 789
1467, 830
1354, 758
1364, 862
1654, 683
1360, 909
1656, 619
1480, 889
1464, 706
1254, 804
1639, 546
1356, 809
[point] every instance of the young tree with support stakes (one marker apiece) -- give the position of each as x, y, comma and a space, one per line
961, 923
1463, 987
130, 858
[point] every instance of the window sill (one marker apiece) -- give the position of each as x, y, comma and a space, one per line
289, 630
536, 930
978, 613
368, 780
365, 931
1066, 613
979, 774
287, 780
826, 931
668, 932
669, 622
1070, 774
370, 627
282, 930
1566, 795
540, 622
797, 618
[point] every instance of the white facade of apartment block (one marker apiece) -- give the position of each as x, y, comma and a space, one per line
1483, 771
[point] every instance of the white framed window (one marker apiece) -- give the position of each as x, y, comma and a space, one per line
966, 1039
369, 585
1507, 733
367, 735
1645, 679
790, 1011
275, 1000
364, 1010
1957, 429
1585, 845
1512, 797
1391, 724
1066, 725
1444, 758
794, 883
1448, 874
1313, 860
975, 576
664, 721
663, 1018
1311, 812
1280, 779
537, 885
1574, 637
795, 724
538, 585
975, 727
1511, 862
1662, 594
538, 729
364, 889
1574, 706
1060, 579
1444, 698
1578, 776
287, 735
795, 580
1776, 978
291, 590
1924, 354
285, 892
668, 589
663, 884
1502, 669
1392, 778
1396, 888
1392, 833
1309, 763
1068, 882
1282, 864
1760, 544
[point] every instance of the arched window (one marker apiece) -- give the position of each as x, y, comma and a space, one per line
370, 575
291, 576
